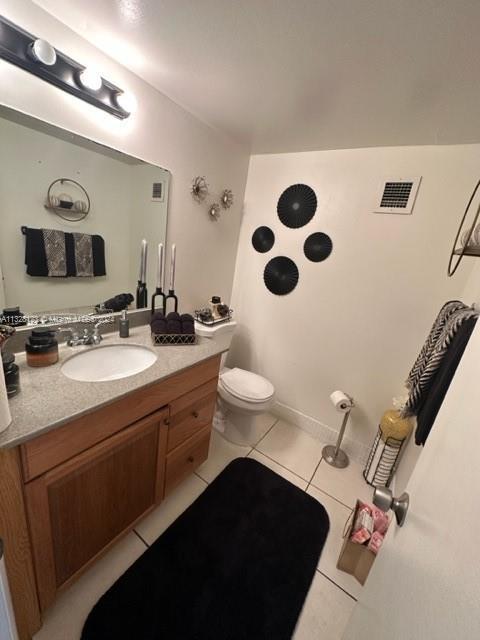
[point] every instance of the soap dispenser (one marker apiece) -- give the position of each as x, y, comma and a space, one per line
124, 325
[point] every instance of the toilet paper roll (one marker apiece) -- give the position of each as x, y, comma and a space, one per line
5, 417
341, 401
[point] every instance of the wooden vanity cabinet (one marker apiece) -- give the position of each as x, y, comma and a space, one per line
88, 482
79, 508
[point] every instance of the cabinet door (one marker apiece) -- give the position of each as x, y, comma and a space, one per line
79, 508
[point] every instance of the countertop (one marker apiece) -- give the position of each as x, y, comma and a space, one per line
49, 399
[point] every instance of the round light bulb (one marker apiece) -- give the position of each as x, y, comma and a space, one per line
42, 51
90, 79
126, 101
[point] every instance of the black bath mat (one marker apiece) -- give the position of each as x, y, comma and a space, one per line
237, 565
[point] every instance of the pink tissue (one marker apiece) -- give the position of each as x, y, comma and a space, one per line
375, 542
380, 520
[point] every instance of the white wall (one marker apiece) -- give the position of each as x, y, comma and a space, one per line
160, 132
356, 321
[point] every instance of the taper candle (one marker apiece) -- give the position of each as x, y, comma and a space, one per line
172, 268
160, 267
143, 261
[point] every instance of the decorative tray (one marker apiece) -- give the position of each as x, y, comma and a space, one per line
166, 339
212, 323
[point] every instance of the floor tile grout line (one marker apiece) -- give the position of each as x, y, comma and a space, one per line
347, 506
266, 433
315, 471
280, 465
337, 585
200, 478
142, 539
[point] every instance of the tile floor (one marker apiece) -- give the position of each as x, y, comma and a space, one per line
293, 454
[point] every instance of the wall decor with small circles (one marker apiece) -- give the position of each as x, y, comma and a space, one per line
296, 207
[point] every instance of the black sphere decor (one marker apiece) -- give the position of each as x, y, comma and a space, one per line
317, 247
281, 275
297, 205
263, 239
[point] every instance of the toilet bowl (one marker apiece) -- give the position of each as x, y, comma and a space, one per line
242, 396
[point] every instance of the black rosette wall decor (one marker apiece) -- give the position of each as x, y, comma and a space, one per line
297, 205
280, 275
317, 247
263, 239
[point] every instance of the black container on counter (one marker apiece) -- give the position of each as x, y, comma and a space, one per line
41, 348
12, 374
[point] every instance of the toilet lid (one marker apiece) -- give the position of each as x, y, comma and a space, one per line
247, 385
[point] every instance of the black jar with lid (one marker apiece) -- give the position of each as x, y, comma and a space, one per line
12, 374
41, 348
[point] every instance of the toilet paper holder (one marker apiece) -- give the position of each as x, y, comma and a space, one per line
333, 454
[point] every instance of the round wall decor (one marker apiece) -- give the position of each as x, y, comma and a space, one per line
281, 275
297, 205
317, 247
263, 239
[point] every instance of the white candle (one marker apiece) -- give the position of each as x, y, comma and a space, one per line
160, 267
143, 261
172, 268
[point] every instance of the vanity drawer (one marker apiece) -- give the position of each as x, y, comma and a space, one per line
186, 458
51, 449
191, 412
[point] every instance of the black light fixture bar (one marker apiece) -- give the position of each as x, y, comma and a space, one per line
64, 74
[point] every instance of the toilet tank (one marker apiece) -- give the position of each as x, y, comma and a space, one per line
225, 329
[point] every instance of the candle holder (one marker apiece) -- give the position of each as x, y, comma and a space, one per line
159, 294
142, 295
171, 296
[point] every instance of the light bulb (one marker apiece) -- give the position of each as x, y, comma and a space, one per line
126, 101
42, 51
90, 79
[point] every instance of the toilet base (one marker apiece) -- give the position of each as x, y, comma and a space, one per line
239, 428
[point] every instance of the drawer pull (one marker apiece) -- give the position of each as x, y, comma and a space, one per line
166, 421
191, 459
195, 414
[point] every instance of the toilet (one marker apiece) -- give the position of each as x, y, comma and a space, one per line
241, 395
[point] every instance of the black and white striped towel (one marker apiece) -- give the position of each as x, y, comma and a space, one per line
420, 389
448, 309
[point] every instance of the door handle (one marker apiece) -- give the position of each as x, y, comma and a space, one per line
384, 500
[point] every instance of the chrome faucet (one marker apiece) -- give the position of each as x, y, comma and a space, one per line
88, 337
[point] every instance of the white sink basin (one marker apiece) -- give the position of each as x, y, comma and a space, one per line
110, 362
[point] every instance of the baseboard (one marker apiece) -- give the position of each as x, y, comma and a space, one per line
356, 450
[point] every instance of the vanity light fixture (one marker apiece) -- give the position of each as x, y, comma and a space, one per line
39, 57
126, 101
89, 78
42, 51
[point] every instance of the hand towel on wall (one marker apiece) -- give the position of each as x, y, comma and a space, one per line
441, 382
83, 255
53, 253
444, 314
419, 392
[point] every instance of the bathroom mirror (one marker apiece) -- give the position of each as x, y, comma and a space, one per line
108, 204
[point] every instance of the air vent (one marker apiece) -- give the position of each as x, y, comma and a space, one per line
398, 195
157, 192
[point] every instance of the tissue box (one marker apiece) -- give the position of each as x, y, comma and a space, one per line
355, 559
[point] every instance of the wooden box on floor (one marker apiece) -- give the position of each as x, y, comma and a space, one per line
355, 559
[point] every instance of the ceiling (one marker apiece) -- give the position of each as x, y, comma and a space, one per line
298, 75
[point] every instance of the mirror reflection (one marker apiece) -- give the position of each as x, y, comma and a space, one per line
74, 215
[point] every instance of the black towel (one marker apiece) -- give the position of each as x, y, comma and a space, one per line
36, 255
441, 382
117, 303
98, 248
